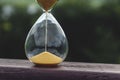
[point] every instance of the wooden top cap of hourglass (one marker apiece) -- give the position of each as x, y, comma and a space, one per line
46, 4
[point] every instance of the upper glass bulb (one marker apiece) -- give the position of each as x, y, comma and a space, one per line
46, 4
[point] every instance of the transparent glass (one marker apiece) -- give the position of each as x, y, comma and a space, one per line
46, 42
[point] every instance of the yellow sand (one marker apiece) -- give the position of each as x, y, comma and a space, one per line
47, 4
46, 58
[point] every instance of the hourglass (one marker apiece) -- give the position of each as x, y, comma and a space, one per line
46, 43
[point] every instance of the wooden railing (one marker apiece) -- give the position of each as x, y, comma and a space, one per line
12, 69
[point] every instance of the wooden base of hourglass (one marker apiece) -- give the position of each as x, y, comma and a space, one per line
46, 58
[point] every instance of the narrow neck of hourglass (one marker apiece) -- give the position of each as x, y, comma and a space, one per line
48, 11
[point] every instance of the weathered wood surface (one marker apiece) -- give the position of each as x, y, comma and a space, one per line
12, 69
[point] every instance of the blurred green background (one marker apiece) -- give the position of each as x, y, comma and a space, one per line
91, 26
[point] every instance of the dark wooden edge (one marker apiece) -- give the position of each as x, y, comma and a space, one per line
12, 69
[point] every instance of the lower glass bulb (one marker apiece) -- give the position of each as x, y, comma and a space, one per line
46, 43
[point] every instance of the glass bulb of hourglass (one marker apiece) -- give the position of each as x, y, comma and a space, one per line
46, 4
46, 43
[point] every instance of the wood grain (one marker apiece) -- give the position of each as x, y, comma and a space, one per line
12, 69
